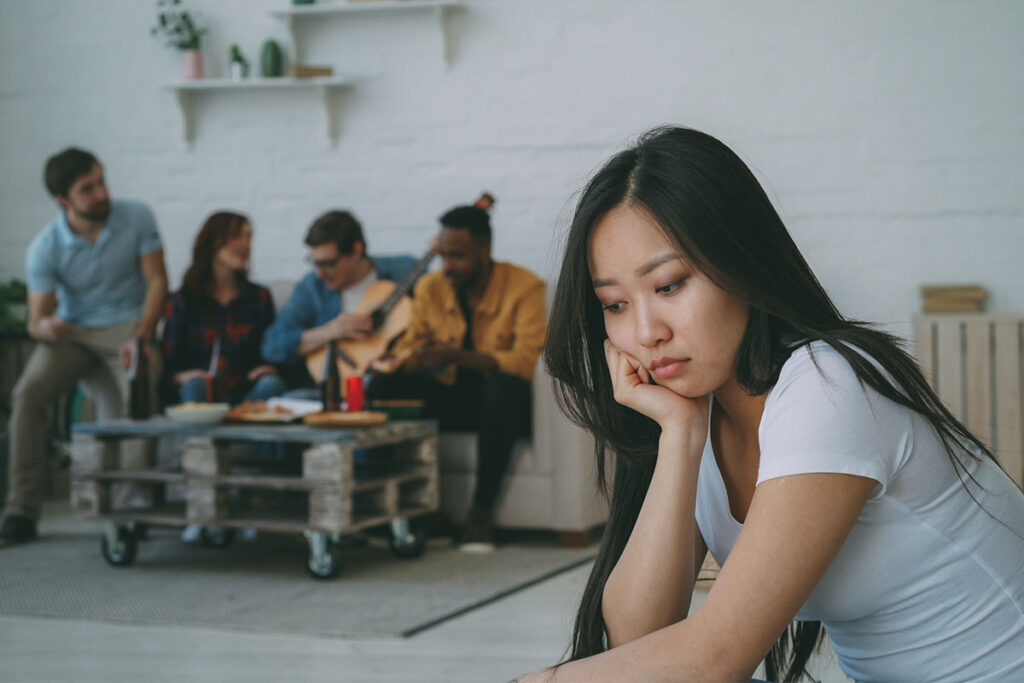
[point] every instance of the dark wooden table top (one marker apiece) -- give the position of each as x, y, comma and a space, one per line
164, 426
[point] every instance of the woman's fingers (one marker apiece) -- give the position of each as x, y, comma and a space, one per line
625, 370
644, 375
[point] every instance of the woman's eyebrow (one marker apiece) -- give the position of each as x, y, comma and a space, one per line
641, 271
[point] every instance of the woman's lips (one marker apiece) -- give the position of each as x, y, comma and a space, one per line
667, 368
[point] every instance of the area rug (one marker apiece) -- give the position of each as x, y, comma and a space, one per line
262, 585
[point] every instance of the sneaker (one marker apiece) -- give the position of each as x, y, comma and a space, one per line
17, 529
478, 534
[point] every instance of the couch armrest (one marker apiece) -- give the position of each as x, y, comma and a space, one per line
577, 504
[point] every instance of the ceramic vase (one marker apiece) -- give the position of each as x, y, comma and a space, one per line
191, 65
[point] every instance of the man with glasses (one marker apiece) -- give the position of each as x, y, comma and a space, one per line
322, 306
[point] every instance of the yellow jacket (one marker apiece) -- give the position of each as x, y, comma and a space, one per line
508, 323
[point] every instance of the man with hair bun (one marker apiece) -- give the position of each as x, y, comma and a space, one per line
476, 332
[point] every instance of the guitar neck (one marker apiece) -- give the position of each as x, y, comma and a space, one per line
403, 287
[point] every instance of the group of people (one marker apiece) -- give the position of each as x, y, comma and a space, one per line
737, 412
98, 292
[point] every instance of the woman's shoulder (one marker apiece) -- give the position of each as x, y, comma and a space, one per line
820, 417
819, 385
255, 289
818, 363
177, 300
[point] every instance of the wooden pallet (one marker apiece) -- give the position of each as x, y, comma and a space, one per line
331, 495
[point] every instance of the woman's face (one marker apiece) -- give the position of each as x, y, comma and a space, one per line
234, 253
659, 309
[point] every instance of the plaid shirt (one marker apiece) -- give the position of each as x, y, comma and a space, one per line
191, 329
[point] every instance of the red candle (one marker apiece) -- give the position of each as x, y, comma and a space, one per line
354, 393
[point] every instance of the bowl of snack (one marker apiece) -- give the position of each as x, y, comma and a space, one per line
198, 413
399, 409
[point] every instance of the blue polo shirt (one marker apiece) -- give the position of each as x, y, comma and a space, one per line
97, 285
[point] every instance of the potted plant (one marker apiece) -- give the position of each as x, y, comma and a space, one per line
239, 64
13, 308
177, 28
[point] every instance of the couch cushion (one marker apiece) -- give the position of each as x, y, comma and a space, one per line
280, 292
458, 455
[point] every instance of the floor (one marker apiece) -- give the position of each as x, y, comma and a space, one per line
523, 632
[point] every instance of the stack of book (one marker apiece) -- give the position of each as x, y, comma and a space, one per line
953, 298
308, 71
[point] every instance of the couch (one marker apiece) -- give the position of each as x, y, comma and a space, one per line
551, 481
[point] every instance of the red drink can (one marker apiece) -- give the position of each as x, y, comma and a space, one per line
354, 393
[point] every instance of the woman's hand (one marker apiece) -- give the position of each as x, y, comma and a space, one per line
259, 371
632, 388
183, 378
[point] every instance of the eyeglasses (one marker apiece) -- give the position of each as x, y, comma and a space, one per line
324, 264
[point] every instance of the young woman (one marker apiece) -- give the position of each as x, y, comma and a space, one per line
747, 417
218, 315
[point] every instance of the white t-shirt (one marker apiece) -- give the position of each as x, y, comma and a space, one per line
351, 296
928, 586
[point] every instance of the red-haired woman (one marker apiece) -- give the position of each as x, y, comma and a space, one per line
218, 315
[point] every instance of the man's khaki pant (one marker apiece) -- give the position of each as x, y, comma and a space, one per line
89, 356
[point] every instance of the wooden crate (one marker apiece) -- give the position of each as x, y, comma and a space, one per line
329, 495
976, 365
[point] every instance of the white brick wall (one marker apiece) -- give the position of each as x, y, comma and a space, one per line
889, 134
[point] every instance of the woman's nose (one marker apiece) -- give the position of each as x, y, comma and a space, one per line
651, 327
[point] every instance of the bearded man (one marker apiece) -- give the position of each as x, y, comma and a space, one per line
96, 284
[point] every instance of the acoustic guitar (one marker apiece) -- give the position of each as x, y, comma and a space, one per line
390, 309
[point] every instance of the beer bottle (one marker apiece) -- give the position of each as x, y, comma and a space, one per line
216, 389
138, 382
330, 382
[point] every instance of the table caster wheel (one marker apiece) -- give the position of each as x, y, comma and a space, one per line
216, 536
408, 539
118, 545
325, 559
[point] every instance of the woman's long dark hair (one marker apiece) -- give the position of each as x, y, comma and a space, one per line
710, 205
218, 229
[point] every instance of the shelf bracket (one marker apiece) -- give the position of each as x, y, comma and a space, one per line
186, 106
293, 36
330, 94
444, 15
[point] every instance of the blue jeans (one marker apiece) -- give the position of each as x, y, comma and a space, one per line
266, 386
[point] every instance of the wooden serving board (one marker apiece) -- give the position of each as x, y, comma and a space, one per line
266, 417
356, 419
259, 411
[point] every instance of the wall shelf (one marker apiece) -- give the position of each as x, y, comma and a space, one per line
443, 10
329, 87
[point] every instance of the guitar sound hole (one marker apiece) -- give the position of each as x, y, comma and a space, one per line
377, 318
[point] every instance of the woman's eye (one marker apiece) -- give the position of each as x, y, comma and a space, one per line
612, 308
670, 287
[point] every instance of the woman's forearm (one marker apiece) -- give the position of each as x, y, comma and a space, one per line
676, 653
651, 585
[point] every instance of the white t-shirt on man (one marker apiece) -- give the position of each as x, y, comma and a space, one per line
928, 586
351, 296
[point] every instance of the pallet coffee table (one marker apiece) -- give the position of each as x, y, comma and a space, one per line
332, 496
